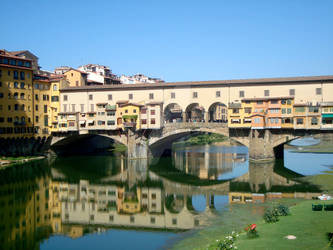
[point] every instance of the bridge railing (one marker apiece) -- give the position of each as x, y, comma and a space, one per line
194, 125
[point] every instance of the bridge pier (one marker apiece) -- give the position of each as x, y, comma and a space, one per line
261, 145
137, 148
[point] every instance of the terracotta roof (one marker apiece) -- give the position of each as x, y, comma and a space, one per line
16, 53
122, 101
259, 81
154, 103
10, 55
131, 103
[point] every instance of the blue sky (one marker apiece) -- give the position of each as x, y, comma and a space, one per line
176, 40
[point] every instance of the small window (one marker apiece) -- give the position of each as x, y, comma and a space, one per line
111, 218
109, 97
132, 219
174, 221
143, 121
65, 97
90, 97
152, 121
130, 96
299, 121
151, 96
241, 93
195, 94
218, 93
291, 92
266, 92
152, 112
173, 95
152, 220
318, 91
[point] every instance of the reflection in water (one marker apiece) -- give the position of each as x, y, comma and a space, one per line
76, 196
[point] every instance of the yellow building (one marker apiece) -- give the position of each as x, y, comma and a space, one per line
128, 115
287, 112
16, 111
41, 105
57, 82
76, 78
235, 115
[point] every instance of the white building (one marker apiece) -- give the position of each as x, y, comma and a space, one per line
139, 78
99, 74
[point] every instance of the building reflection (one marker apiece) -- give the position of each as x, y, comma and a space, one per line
206, 164
39, 200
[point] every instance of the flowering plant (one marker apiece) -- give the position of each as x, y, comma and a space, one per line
228, 242
251, 231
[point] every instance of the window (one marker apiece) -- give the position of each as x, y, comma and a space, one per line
16, 107
46, 121
15, 75
300, 109
283, 111
22, 75
259, 102
152, 220
152, 112
318, 91
195, 94
266, 92
174, 221
73, 107
143, 111
241, 93
289, 111
65, 97
314, 109
153, 196
64, 107
16, 85
22, 85
274, 102
9, 119
111, 217
126, 111
82, 108
55, 98
274, 111
218, 93
9, 107
90, 97
299, 121
1, 95
91, 107
36, 107
45, 108
55, 87
134, 110
247, 110
111, 122
37, 118
151, 96
291, 92
109, 97
92, 217
132, 219
130, 96
152, 121
235, 111
143, 121
314, 121
173, 95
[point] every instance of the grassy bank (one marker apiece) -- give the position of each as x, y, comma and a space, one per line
234, 218
203, 139
9, 161
324, 147
309, 227
119, 148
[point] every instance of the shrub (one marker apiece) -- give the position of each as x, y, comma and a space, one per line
271, 215
228, 242
282, 210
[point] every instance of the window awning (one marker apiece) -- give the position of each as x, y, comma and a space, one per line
327, 115
248, 120
83, 122
91, 122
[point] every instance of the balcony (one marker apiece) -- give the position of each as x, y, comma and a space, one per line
129, 124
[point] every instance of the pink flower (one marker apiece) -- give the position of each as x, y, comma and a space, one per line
253, 226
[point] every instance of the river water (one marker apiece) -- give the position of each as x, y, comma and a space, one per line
108, 202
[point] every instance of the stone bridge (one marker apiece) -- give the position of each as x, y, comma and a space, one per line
263, 145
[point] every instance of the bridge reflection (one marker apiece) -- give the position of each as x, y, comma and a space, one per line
47, 198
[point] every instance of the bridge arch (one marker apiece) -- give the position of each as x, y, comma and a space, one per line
217, 112
195, 113
173, 112
84, 143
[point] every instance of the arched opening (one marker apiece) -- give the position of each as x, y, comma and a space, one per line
195, 113
218, 112
173, 113
174, 203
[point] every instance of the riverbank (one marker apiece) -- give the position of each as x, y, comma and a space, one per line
234, 218
324, 147
9, 161
202, 139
